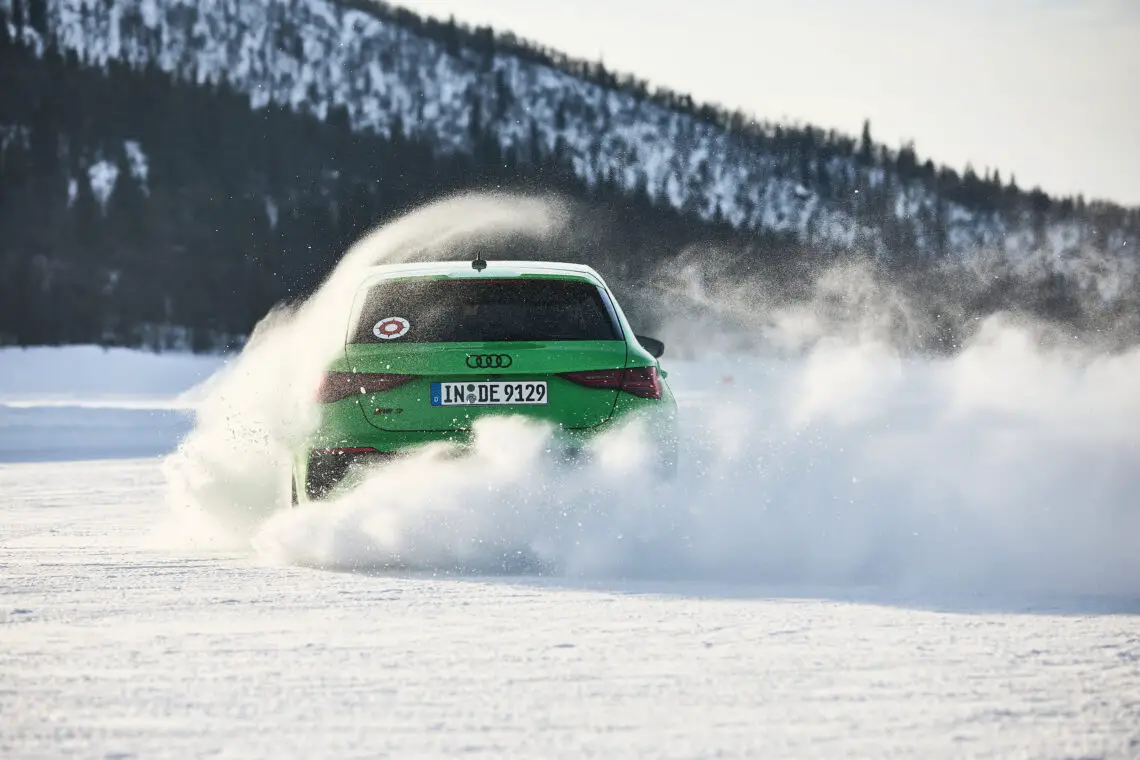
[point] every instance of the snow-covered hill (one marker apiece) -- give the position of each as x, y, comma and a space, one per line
319, 55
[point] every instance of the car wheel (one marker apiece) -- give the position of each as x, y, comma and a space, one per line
324, 473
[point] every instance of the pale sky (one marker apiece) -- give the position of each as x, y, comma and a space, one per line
1048, 90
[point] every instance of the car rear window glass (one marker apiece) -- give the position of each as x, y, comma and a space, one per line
453, 311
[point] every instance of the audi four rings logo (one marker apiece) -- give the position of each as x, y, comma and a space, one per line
488, 361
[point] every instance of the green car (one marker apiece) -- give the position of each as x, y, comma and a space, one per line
432, 347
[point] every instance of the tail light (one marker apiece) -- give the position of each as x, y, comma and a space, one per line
643, 382
340, 385
598, 378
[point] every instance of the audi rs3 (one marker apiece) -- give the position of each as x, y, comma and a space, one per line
431, 348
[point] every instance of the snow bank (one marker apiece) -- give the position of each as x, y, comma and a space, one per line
96, 376
87, 402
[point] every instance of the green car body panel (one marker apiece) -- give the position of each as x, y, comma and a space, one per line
582, 396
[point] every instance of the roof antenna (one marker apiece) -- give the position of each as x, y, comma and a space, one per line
479, 264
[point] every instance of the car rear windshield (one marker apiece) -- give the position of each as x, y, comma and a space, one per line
454, 311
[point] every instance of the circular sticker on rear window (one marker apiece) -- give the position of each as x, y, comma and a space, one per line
391, 328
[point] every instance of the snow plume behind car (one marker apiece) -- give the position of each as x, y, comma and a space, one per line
831, 457
227, 474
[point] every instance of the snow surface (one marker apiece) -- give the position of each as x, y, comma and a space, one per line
863, 554
118, 638
113, 647
88, 374
88, 402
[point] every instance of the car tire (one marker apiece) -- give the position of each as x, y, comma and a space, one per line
323, 475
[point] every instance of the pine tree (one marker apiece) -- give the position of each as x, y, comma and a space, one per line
6, 42
504, 95
19, 17
906, 163
451, 37
866, 145
38, 16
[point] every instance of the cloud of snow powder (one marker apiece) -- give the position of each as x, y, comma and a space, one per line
229, 474
828, 457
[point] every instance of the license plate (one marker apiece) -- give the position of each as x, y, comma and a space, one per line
488, 393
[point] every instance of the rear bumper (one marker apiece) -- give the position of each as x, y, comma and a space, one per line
346, 443
319, 472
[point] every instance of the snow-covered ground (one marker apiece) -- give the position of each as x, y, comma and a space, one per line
864, 554
87, 402
840, 598
96, 376
115, 648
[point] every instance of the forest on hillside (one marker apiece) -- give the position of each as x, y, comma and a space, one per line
210, 213
142, 206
